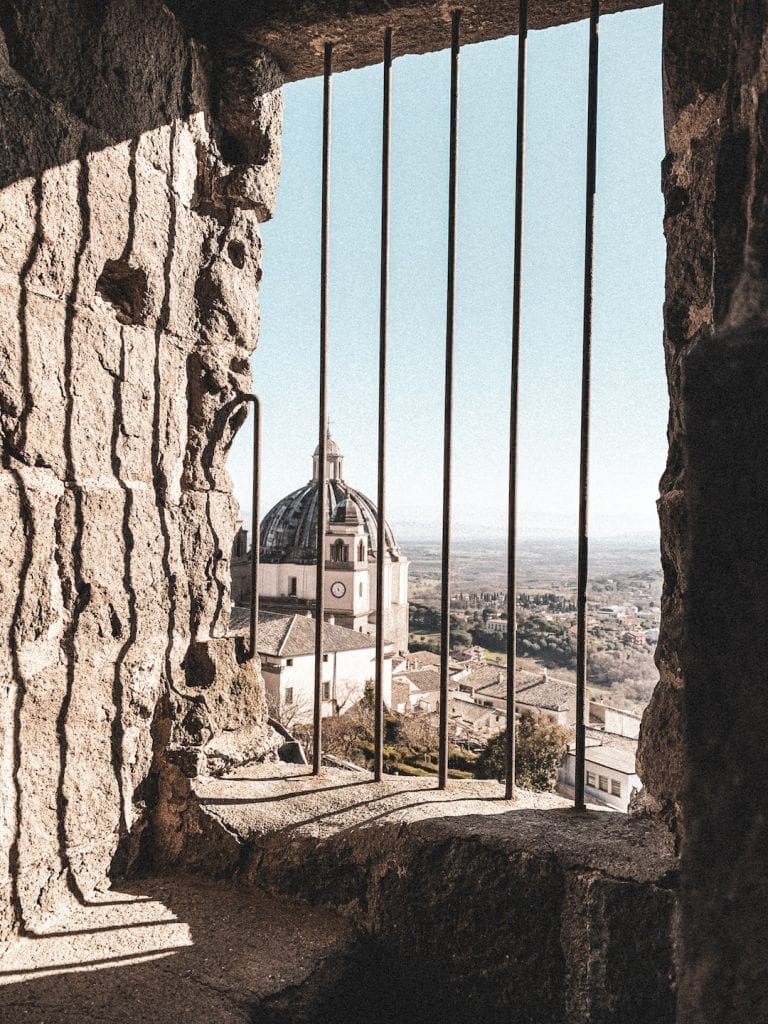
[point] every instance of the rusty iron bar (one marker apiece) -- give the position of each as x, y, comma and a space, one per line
322, 497
586, 370
522, 53
445, 626
381, 545
255, 524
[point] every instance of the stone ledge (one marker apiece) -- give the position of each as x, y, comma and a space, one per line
532, 912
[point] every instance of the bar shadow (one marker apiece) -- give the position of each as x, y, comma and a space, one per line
124, 969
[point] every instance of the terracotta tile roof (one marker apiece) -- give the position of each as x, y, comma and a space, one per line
551, 693
417, 660
424, 681
293, 636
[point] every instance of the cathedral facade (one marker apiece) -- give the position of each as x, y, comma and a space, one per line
288, 572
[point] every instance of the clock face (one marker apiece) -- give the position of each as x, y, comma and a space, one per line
338, 589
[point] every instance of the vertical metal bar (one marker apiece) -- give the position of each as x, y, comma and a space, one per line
256, 525
445, 630
583, 566
381, 540
322, 512
522, 52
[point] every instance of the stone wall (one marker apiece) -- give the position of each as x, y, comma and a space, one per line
703, 741
133, 176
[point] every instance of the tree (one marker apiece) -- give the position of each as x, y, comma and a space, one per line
539, 750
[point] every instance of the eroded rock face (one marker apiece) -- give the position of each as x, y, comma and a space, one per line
129, 264
702, 751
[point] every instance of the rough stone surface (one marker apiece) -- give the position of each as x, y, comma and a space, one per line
531, 914
702, 750
129, 264
295, 31
165, 950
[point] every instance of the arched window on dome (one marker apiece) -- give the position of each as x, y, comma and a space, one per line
361, 551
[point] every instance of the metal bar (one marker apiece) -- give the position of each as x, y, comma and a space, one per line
322, 512
583, 564
255, 525
522, 52
381, 545
445, 630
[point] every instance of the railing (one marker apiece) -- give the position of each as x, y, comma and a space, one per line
583, 542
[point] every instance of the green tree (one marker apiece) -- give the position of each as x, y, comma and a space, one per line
539, 750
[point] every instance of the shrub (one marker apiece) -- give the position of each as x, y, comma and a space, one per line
539, 750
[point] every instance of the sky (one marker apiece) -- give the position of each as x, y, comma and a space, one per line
629, 403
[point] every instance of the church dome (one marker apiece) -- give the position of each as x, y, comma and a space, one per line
289, 529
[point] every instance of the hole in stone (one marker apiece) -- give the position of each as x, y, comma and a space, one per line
236, 253
199, 669
231, 150
125, 288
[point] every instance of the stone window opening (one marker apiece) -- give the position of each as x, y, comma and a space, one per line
712, 545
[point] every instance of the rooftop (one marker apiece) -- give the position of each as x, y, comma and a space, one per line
608, 757
293, 636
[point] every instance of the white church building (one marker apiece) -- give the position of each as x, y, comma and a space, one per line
288, 575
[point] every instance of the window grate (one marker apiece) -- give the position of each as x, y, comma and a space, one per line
583, 493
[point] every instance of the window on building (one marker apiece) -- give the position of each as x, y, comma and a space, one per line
325, 657
603, 783
339, 551
288, 695
293, 586
615, 788
289, 661
591, 779
361, 551
326, 691
361, 590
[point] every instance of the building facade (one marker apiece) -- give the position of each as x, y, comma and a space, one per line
286, 647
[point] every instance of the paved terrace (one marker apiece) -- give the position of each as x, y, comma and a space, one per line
396, 884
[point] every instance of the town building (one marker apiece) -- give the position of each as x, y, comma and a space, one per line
286, 648
610, 774
288, 556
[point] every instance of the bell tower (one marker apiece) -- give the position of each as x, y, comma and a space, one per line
347, 577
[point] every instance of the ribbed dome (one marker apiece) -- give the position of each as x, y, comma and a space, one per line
289, 530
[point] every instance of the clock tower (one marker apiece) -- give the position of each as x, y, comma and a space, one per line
347, 579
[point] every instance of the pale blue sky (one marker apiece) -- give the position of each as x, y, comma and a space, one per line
629, 391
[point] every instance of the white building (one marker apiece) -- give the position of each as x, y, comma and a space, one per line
286, 648
610, 774
288, 569
614, 720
